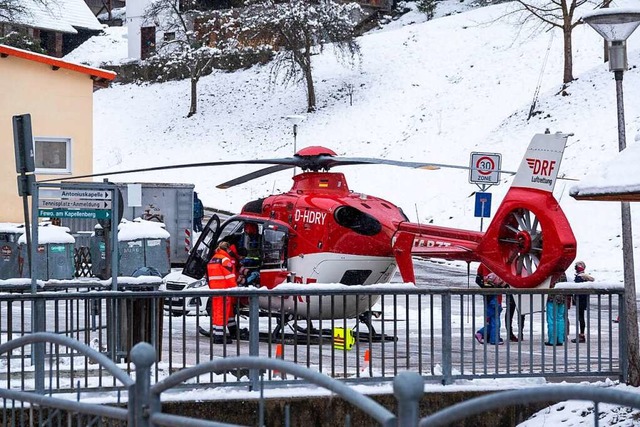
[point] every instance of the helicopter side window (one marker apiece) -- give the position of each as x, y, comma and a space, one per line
273, 248
358, 221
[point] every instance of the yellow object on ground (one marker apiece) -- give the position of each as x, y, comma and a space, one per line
343, 338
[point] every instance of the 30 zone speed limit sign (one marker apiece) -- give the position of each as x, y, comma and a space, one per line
484, 168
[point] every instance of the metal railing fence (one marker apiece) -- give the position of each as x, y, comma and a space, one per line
429, 331
141, 405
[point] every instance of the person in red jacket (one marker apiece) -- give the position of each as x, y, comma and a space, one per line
221, 274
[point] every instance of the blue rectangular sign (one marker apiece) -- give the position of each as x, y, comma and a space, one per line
483, 205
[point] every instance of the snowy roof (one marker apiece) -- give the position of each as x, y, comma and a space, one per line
141, 229
9, 227
49, 233
62, 15
616, 180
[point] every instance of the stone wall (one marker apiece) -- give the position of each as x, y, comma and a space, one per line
331, 411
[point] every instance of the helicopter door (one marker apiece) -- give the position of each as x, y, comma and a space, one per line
196, 265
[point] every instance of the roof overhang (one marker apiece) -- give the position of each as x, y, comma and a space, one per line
608, 197
615, 180
100, 77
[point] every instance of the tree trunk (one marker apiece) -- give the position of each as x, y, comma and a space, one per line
568, 58
631, 318
633, 354
194, 96
311, 91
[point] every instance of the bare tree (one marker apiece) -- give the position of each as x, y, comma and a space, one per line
179, 42
557, 14
17, 14
298, 29
9, 9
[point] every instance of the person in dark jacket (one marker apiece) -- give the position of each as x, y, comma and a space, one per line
198, 212
581, 301
512, 308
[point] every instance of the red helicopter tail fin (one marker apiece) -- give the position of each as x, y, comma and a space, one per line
530, 238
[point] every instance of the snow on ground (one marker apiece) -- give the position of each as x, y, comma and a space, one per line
424, 91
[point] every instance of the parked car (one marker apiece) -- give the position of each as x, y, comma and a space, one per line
193, 305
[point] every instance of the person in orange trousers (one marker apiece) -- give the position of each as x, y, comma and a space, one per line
222, 275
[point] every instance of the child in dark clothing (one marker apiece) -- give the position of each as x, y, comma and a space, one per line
581, 300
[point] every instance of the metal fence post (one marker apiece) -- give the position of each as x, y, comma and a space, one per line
408, 388
446, 339
254, 339
143, 356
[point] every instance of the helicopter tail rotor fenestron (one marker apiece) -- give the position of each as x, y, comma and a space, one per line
530, 238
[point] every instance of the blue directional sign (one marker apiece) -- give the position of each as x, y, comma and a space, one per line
483, 205
75, 213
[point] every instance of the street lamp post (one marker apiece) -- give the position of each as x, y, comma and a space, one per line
615, 26
295, 120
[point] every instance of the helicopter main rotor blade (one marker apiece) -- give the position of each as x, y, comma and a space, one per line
283, 161
314, 162
340, 161
254, 175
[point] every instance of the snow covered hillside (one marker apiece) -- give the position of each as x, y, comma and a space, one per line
425, 91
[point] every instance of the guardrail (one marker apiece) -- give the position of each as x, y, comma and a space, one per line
424, 330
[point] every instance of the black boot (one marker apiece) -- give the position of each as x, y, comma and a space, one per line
238, 333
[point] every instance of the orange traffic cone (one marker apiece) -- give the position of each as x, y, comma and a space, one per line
279, 355
367, 361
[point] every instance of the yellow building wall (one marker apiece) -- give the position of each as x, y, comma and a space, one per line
61, 105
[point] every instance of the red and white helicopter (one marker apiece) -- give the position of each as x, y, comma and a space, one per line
322, 232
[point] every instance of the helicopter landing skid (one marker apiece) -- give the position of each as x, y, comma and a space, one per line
303, 336
300, 335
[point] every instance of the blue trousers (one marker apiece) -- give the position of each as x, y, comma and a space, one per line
492, 318
555, 322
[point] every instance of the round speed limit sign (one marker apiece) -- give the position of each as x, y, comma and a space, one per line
484, 168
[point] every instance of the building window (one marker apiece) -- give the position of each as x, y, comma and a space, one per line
168, 37
52, 155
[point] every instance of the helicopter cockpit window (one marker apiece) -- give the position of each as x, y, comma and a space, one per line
274, 244
358, 221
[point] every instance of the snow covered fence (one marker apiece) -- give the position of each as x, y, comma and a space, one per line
430, 331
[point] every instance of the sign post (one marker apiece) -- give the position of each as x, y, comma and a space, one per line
484, 171
25, 166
